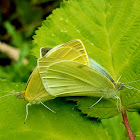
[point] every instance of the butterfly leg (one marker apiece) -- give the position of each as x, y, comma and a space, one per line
118, 98
97, 102
119, 78
26, 112
48, 107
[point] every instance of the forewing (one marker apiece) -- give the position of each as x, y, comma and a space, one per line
70, 78
73, 50
35, 89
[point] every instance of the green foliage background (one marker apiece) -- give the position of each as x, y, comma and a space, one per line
109, 31
18, 22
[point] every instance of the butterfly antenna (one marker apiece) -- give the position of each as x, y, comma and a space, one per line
9, 91
118, 98
48, 107
130, 87
6, 95
119, 78
97, 102
13, 93
132, 82
26, 112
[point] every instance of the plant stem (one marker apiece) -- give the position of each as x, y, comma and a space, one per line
127, 126
12, 52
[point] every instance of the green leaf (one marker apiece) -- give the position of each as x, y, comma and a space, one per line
105, 109
109, 31
67, 123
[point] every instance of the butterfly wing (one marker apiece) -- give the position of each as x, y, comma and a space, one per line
96, 66
73, 50
35, 90
71, 78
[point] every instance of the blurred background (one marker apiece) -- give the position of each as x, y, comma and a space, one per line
18, 21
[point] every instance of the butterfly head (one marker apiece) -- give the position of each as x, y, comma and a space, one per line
119, 86
21, 95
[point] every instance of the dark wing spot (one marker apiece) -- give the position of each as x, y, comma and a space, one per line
44, 50
80, 66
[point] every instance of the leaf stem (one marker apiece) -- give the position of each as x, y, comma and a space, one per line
127, 126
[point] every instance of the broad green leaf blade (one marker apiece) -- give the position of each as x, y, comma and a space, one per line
67, 123
109, 31
131, 100
106, 108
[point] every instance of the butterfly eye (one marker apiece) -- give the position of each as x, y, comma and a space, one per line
122, 86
